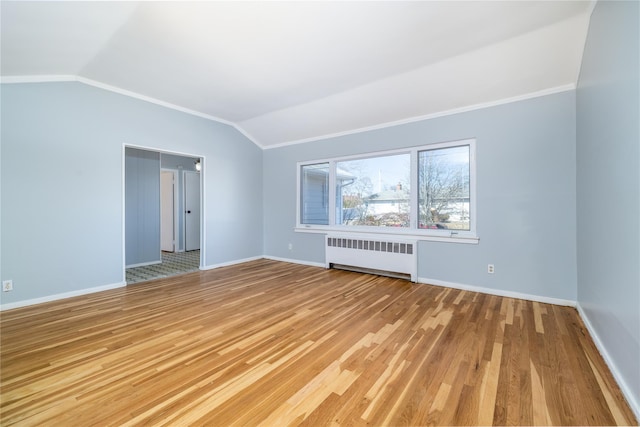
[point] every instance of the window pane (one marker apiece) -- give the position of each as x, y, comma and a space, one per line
374, 191
443, 188
314, 199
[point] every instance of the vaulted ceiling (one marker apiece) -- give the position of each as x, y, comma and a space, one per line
284, 72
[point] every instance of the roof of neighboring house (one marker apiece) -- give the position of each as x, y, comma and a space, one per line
388, 196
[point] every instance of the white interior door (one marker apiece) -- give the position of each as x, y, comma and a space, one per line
167, 210
191, 211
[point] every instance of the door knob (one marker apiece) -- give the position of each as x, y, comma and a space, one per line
188, 211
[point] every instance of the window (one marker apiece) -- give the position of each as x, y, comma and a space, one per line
426, 191
443, 188
364, 198
315, 195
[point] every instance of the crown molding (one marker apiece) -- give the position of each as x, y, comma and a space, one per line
131, 94
100, 85
42, 78
544, 92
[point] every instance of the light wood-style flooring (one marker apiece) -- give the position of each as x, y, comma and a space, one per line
276, 344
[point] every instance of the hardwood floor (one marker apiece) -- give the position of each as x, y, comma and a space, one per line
274, 344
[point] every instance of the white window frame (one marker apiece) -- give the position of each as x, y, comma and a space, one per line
457, 236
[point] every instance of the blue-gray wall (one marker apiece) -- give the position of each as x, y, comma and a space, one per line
526, 180
142, 207
62, 184
608, 187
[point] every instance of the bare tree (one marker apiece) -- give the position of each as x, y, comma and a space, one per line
441, 183
354, 208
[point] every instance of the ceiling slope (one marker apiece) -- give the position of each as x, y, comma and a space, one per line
286, 72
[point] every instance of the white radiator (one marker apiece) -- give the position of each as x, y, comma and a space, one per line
386, 256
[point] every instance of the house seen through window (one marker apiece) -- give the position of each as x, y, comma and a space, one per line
374, 191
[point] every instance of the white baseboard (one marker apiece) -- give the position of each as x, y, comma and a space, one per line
624, 387
63, 295
296, 261
234, 262
49, 298
498, 292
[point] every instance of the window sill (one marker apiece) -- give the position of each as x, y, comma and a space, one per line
407, 234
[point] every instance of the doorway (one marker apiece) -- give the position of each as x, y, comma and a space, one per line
178, 189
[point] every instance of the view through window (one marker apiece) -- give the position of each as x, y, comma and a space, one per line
374, 191
443, 184
428, 190
315, 196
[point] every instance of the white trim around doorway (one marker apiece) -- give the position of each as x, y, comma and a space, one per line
202, 199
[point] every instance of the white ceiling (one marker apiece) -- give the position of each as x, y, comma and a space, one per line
284, 72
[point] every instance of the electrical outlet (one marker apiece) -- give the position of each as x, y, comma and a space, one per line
290, 246
491, 269
7, 285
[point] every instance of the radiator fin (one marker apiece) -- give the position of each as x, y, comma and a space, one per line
392, 257
371, 245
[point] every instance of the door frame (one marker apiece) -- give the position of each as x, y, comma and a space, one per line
184, 205
203, 198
